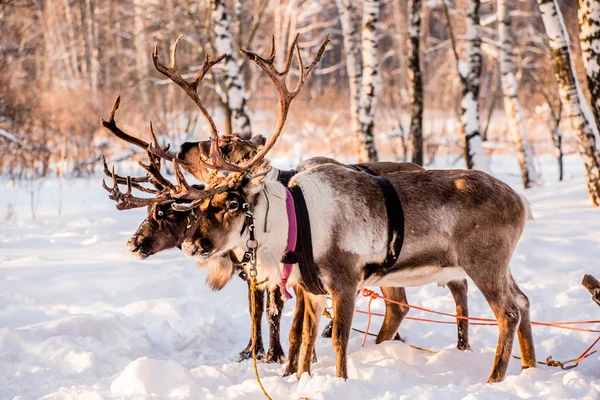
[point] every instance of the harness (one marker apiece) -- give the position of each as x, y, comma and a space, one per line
299, 245
300, 251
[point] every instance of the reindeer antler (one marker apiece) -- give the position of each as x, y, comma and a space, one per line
279, 80
191, 89
182, 190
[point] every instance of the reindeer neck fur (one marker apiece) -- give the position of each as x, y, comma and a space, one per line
272, 243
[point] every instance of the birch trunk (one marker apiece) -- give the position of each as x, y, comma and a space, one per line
470, 74
90, 37
416, 83
349, 16
370, 81
235, 87
512, 105
575, 106
141, 58
589, 36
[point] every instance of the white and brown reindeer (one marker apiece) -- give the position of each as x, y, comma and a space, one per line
456, 223
193, 155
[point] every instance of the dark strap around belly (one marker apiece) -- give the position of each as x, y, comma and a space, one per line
303, 254
395, 217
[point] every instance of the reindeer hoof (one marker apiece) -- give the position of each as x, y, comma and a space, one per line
247, 354
463, 346
275, 356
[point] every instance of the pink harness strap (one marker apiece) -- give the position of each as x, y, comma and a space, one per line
291, 243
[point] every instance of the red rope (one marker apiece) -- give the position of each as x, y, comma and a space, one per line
484, 321
490, 322
585, 354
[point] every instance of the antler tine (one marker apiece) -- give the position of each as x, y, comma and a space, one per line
134, 181
111, 125
190, 88
305, 72
288, 58
285, 95
126, 201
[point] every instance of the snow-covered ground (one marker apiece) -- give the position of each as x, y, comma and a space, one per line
80, 318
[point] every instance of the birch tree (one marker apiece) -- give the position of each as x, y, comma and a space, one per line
416, 83
370, 82
234, 95
574, 103
589, 36
512, 105
352, 51
469, 72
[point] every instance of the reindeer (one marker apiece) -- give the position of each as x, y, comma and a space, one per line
456, 223
183, 191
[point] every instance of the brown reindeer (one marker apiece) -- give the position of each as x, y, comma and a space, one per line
456, 224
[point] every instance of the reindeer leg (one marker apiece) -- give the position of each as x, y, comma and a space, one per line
459, 292
499, 295
313, 310
259, 298
524, 331
343, 308
274, 309
394, 313
296, 333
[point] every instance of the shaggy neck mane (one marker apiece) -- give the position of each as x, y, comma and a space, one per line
272, 243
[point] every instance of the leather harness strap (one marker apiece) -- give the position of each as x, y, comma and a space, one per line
395, 217
284, 177
303, 254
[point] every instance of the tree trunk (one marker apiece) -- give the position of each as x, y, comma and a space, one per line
512, 105
235, 87
370, 82
470, 73
574, 103
416, 83
141, 58
349, 16
589, 36
90, 37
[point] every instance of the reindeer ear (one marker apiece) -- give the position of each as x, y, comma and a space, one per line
259, 140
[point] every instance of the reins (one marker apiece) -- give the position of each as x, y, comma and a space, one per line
250, 259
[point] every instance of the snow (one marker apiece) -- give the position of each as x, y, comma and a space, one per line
90, 321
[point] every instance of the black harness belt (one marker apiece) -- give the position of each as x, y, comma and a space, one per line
303, 255
395, 217
284, 177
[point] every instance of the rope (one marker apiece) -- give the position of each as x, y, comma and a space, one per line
561, 324
267, 212
483, 321
253, 287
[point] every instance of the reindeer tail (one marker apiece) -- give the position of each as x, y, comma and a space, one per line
527, 206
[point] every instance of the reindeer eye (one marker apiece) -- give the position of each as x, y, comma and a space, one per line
160, 213
233, 205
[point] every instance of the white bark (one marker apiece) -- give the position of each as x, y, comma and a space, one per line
470, 73
370, 82
589, 25
235, 87
93, 46
512, 105
575, 106
352, 51
141, 59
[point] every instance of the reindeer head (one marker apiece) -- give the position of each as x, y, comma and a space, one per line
234, 149
218, 211
223, 222
163, 229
